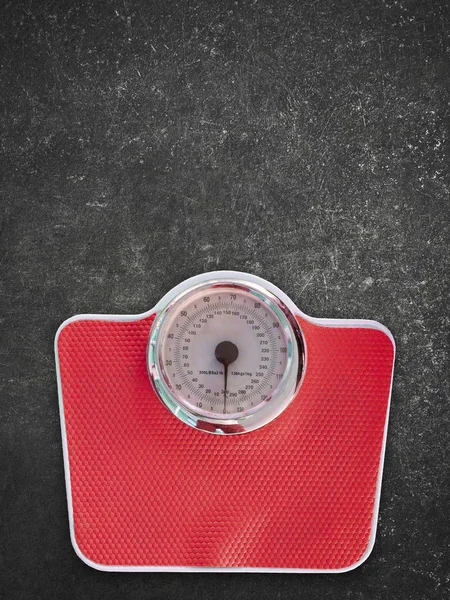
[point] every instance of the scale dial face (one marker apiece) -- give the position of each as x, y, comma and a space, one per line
225, 357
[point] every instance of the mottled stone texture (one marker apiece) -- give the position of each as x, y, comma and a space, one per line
145, 142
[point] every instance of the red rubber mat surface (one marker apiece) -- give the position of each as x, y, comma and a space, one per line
148, 490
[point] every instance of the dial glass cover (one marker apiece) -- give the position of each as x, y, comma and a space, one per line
225, 354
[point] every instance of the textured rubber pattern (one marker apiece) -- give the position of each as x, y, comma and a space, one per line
148, 490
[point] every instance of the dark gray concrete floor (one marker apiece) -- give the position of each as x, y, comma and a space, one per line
145, 142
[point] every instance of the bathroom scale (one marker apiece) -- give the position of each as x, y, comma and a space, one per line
223, 430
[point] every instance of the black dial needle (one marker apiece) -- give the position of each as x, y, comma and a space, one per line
226, 353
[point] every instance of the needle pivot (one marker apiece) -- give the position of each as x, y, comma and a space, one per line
226, 353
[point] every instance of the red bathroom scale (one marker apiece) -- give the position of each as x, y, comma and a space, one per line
223, 430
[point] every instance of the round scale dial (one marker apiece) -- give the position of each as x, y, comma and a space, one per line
225, 357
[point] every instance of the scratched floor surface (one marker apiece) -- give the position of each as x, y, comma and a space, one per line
145, 142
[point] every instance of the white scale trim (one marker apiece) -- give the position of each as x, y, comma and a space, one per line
214, 275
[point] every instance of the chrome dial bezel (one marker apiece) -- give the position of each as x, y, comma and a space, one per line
263, 413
